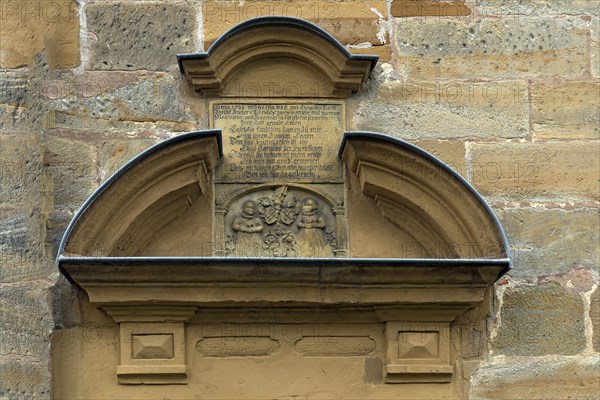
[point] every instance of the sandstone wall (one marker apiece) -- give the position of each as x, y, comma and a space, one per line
506, 92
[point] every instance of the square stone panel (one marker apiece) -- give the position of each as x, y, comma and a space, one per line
418, 345
152, 347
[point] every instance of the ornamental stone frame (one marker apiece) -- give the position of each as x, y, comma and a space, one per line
276, 249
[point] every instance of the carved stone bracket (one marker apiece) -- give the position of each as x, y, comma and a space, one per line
417, 352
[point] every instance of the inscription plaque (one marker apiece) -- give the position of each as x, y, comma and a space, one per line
279, 141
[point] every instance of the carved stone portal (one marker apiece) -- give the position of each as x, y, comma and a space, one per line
276, 253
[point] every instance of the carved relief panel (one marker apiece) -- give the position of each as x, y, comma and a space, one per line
288, 149
280, 221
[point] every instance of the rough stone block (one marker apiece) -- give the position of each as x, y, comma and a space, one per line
595, 317
19, 168
537, 378
26, 323
118, 96
21, 255
539, 320
566, 111
537, 7
443, 109
554, 171
350, 22
491, 47
73, 168
29, 26
24, 379
141, 35
428, 8
543, 241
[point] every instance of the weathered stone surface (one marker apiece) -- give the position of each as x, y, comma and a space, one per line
12, 117
144, 35
441, 109
428, 8
547, 378
537, 320
566, 111
27, 323
542, 241
540, 170
13, 88
114, 154
85, 125
595, 317
595, 46
491, 47
19, 168
20, 250
139, 97
578, 280
28, 26
349, 22
537, 7
450, 152
24, 379
73, 169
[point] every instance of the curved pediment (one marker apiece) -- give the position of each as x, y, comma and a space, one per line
400, 202
276, 57
148, 193
440, 214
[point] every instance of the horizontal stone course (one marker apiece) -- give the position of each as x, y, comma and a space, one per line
493, 48
542, 241
351, 22
429, 8
539, 171
441, 109
539, 320
516, 8
139, 35
566, 111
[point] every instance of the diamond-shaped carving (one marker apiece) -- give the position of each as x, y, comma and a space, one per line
418, 345
152, 346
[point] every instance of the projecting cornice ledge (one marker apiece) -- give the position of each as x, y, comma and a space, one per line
381, 287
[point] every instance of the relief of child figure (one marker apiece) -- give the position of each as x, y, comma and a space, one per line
248, 228
311, 239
